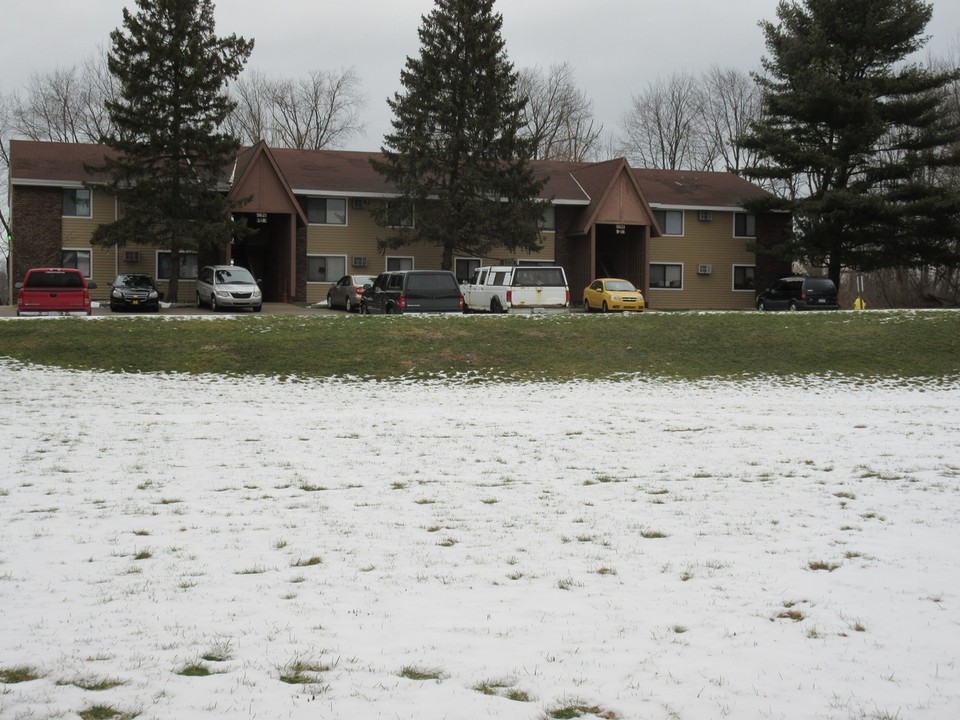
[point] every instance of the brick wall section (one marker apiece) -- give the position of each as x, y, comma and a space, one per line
37, 228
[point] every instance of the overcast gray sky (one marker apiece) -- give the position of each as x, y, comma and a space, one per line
615, 46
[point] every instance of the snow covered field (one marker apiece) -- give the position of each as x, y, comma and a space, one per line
627, 550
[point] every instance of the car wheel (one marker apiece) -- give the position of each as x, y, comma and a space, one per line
329, 301
793, 306
604, 307
213, 303
199, 301
347, 305
387, 309
586, 306
496, 306
258, 308
761, 306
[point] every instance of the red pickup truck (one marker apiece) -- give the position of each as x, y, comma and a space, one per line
54, 291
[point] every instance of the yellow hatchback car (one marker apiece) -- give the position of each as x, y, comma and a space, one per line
612, 295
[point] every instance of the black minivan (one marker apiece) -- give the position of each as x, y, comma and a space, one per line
413, 291
799, 293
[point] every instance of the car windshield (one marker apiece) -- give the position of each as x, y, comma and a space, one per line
133, 281
620, 286
231, 276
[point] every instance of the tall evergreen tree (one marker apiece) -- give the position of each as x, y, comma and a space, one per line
846, 113
170, 150
456, 155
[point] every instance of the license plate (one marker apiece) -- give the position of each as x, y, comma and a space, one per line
134, 302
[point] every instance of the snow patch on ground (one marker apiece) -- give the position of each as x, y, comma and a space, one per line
646, 549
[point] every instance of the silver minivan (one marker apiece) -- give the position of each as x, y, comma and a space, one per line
228, 286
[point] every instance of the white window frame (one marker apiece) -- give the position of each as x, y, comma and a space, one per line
88, 271
666, 264
327, 212
666, 212
750, 219
400, 259
548, 221
326, 282
733, 280
183, 254
75, 191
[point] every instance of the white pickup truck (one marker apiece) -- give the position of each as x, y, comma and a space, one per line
520, 288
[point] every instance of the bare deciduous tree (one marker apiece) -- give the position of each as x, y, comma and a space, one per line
730, 101
558, 116
664, 127
65, 105
322, 110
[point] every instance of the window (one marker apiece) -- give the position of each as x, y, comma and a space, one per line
670, 221
327, 211
744, 277
399, 263
326, 268
744, 225
76, 202
548, 221
669, 276
465, 267
399, 215
188, 265
78, 260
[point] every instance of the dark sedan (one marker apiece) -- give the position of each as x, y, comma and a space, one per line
134, 291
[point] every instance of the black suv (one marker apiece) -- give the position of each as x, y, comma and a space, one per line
416, 291
799, 293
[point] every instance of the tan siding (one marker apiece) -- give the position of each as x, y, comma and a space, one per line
359, 238
77, 233
703, 243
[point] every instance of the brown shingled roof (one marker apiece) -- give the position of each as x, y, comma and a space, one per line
696, 189
54, 162
350, 173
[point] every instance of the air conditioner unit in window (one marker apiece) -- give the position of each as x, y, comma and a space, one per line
705, 215
359, 261
704, 269
131, 256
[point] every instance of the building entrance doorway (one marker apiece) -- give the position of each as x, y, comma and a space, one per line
265, 252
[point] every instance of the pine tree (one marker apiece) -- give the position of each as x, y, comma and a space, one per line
170, 152
456, 155
848, 117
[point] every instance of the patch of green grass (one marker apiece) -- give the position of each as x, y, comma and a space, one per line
412, 672
302, 672
653, 534
105, 712
577, 710
95, 684
194, 670
890, 344
18, 674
